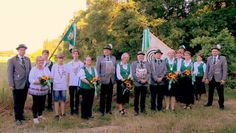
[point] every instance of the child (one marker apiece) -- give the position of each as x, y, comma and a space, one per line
59, 75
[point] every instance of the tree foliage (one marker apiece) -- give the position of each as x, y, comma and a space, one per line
197, 24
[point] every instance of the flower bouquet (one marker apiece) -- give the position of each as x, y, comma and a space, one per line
93, 82
45, 81
128, 85
187, 73
172, 77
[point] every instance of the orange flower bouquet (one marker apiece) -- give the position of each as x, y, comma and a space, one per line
187, 73
45, 81
172, 77
93, 82
128, 84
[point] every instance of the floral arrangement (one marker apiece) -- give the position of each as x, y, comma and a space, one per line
187, 73
172, 77
45, 81
93, 81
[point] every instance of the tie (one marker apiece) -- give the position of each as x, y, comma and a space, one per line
214, 60
107, 58
158, 61
23, 61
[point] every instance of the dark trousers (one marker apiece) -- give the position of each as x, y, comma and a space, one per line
38, 105
140, 91
50, 98
106, 97
74, 98
87, 102
19, 98
220, 90
157, 94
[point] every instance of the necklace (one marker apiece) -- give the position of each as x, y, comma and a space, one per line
62, 72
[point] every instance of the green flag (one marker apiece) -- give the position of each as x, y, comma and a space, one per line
70, 36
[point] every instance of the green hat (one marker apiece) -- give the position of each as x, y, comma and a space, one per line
109, 46
21, 46
158, 51
140, 53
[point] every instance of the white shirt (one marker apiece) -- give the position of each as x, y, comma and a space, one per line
118, 75
35, 74
187, 63
196, 64
59, 75
216, 58
179, 62
20, 57
46, 64
73, 70
82, 73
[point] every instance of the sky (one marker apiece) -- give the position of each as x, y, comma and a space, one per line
33, 21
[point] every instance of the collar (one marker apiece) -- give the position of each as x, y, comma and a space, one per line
217, 57
19, 56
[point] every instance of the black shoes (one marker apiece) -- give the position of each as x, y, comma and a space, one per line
50, 109
207, 105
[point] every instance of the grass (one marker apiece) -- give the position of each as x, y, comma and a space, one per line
197, 120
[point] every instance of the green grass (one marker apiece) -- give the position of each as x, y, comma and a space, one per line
197, 120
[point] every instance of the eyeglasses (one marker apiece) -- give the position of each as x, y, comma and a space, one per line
60, 58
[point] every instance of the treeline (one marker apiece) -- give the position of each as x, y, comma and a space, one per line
197, 24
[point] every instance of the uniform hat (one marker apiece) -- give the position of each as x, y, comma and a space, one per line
216, 47
60, 55
182, 47
109, 46
21, 46
158, 51
140, 53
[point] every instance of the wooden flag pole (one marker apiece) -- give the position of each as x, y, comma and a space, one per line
56, 48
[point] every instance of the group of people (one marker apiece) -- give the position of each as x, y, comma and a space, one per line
175, 78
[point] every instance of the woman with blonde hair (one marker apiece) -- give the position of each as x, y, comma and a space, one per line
38, 89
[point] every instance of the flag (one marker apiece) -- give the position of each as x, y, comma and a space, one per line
70, 36
151, 43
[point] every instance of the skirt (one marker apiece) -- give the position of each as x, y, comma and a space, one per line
199, 86
186, 90
122, 93
172, 91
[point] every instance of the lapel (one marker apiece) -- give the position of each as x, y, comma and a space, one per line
20, 63
217, 62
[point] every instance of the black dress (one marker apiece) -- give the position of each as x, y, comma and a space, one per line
122, 93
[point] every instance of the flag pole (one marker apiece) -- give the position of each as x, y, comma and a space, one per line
60, 41
56, 48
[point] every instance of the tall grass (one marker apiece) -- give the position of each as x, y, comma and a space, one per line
199, 119
5, 93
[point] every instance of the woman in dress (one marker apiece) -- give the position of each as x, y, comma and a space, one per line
37, 89
171, 84
186, 82
123, 72
199, 69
